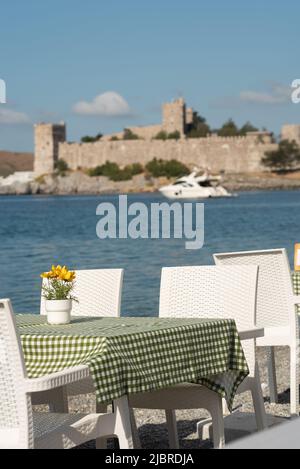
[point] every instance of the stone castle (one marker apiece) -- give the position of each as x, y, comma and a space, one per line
228, 154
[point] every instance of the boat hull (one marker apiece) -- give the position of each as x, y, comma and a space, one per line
172, 193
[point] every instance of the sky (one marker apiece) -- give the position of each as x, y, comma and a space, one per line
101, 66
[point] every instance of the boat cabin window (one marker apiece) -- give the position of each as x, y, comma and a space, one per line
205, 184
182, 183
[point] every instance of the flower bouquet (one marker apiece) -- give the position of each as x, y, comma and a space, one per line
57, 291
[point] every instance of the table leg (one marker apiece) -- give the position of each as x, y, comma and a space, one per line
172, 429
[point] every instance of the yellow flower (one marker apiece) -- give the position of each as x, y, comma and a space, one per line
70, 277
49, 275
60, 273
46, 275
56, 270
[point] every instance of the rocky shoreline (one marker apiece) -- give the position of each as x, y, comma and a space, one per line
262, 181
78, 182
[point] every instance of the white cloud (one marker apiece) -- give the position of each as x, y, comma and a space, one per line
109, 104
9, 116
278, 94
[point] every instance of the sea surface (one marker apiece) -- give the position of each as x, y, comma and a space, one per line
36, 232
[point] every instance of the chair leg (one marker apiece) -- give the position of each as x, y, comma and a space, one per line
172, 429
272, 375
101, 443
122, 423
216, 412
134, 429
59, 401
258, 403
225, 408
294, 378
204, 429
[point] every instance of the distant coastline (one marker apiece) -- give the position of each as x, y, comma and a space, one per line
15, 161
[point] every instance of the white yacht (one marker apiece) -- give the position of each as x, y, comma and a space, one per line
195, 187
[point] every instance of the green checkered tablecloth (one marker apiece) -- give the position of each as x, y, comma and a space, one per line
130, 355
296, 285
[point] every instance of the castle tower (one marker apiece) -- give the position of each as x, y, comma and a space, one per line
46, 146
291, 132
189, 116
174, 116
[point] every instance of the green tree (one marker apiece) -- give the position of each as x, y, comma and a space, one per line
121, 175
229, 129
156, 168
175, 169
129, 135
162, 135
89, 139
169, 169
248, 127
115, 173
174, 135
107, 169
199, 128
114, 138
285, 158
134, 169
61, 166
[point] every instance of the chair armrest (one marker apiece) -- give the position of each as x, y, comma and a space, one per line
254, 333
296, 299
57, 380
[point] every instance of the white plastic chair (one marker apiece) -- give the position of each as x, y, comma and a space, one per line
276, 310
280, 436
207, 292
20, 428
99, 293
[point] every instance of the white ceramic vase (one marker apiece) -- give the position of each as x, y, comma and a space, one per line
58, 311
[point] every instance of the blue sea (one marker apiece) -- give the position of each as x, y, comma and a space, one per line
36, 232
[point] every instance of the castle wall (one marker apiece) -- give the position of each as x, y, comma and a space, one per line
146, 133
233, 154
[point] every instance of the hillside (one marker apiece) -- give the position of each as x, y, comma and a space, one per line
11, 162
